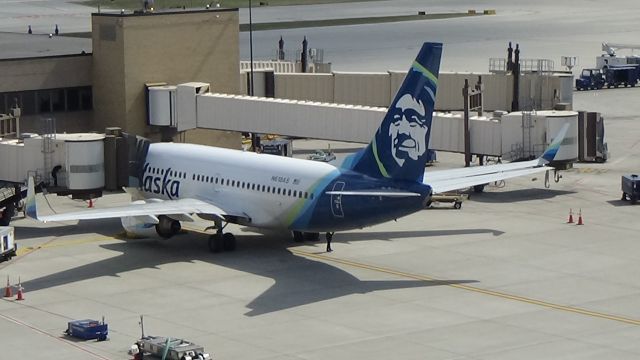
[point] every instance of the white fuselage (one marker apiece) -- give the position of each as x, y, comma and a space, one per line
261, 187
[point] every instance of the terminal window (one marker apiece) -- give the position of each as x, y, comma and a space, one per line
44, 101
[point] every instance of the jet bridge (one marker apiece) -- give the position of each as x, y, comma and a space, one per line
349, 123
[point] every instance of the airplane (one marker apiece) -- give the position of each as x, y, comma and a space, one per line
384, 181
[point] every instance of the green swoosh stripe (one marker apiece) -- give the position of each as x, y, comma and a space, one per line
383, 171
418, 67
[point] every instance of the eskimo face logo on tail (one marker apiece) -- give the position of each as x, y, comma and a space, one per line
408, 129
161, 183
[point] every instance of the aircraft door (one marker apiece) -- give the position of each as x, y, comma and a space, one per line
336, 200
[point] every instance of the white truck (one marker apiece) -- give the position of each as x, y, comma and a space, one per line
8, 247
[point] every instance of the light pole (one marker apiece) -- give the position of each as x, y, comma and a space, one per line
250, 50
254, 137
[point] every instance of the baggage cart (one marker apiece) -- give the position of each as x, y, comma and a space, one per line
87, 329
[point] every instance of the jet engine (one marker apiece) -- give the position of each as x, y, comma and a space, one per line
149, 226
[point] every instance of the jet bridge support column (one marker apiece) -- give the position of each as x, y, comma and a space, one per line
472, 98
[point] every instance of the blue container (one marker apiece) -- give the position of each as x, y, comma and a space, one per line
88, 330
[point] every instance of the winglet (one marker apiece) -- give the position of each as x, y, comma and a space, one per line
30, 203
551, 152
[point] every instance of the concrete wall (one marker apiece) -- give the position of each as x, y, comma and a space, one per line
70, 122
132, 50
299, 86
45, 73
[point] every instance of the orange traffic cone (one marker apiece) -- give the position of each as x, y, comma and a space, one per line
570, 217
20, 296
7, 290
580, 222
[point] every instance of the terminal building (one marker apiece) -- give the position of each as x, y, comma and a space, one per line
90, 90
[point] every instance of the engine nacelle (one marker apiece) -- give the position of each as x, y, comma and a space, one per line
150, 226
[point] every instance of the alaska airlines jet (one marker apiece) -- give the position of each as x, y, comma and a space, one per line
384, 181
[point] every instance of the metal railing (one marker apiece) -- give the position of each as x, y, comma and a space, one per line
499, 65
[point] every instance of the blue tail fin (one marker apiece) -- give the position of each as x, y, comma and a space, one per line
399, 147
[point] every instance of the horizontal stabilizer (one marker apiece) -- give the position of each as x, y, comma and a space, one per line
456, 179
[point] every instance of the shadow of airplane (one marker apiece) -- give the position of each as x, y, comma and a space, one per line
513, 196
619, 202
390, 235
298, 280
105, 227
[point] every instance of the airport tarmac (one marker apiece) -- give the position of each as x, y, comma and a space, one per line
505, 277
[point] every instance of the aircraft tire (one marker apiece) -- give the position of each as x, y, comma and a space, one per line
298, 236
228, 242
215, 243
311, 236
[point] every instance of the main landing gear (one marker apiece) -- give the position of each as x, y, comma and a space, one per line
221, 241
299, 236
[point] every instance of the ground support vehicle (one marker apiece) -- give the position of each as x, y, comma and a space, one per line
321, 155
168, 348
617, 75
87, 329
8, 247
454, 198
590, 79
631, 188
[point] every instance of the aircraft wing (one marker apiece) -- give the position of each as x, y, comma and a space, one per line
149, 208
455, 179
